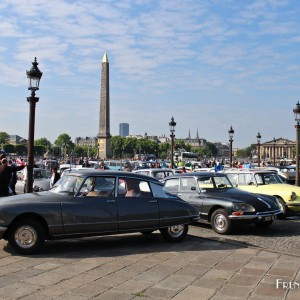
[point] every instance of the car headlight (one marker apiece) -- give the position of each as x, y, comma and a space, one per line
293, 196
244, 207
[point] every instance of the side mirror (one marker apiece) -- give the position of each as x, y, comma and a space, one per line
193, 188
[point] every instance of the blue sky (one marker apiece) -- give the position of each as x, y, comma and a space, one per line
210, 64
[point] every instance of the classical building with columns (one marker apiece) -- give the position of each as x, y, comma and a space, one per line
284, 149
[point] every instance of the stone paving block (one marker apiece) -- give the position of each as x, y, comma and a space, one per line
9, 279
109, 295
252, 271
9, 269
293, 294
209, 283
29, 272
151, 276
17, 290
175, 282
89, 290
4, 261
147, 262
46, 279
247, 251
269, 290
218, 273
235, 291
113, 279
272, 278
194, 293
244, 280
47, 266
207, 261
161, 293
258, 265
71, 297
37, 296
193, 270
224, 265
281, 272
165, 269
132, 287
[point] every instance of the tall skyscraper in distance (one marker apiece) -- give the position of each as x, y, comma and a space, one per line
104, 143
124, 129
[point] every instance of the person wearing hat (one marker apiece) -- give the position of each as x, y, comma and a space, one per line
5, 176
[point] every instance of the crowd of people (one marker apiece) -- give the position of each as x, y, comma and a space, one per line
8, 174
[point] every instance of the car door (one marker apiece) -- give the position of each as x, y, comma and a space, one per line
189, 191
94, 210
139, 209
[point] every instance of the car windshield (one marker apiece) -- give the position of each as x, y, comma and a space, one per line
214, 182
67, 184
267, 178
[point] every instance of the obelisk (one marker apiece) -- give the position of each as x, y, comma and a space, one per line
104, 144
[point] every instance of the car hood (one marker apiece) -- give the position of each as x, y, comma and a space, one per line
259, 201
30, 197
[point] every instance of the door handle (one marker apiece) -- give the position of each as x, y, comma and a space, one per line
110, 201
179, 194
153, 201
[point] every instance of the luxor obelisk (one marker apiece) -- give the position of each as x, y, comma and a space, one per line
104, 144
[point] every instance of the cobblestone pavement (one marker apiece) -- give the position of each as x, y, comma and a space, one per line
134, 266
282, 235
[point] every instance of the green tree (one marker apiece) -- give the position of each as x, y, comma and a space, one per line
43, 142
9, 148
4, 138
117, 143
64, 142
164, 149
21, 149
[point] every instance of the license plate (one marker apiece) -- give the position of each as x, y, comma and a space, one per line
269, 218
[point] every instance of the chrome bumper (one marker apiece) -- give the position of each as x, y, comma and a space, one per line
290, 203
257, 217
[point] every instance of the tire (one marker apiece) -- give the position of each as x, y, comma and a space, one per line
26, 236
220, 222
174, 233
264, 224
283, 208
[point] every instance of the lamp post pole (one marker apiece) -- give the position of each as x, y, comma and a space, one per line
258, 149
231, 132
172, 125
34, 75
274, 148
296, 111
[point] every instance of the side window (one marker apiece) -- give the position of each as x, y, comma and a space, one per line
186, 184
249, 179
172, 185
233, 178
242, 179
100, 186
205, 183
131, 187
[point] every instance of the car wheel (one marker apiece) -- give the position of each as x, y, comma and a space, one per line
220, 222
264, 224
26, 236
283, 207
174, 233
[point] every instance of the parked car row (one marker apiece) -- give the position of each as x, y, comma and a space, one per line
90, 202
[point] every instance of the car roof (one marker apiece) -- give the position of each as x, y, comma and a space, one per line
196, 174
154, 169
93, 172
248, 171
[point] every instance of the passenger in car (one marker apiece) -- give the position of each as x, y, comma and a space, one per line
133, 189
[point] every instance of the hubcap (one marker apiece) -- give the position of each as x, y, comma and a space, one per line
25, 236
176, 230
220, 222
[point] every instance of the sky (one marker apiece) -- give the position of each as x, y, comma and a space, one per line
210, 64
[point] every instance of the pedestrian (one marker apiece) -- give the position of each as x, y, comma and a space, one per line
55, 176
5, 176
14, 178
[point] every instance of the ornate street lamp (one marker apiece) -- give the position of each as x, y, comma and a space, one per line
231, 132
34, 75
172, 126
274, 148
258, 148
296, 111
